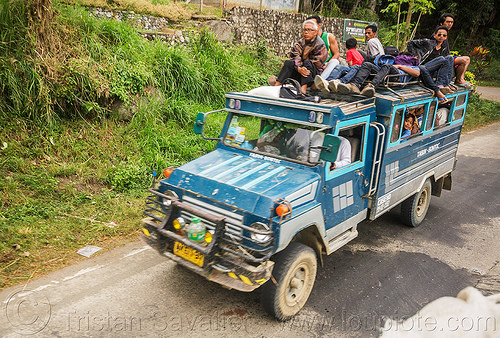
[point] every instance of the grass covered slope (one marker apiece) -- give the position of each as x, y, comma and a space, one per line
71, 172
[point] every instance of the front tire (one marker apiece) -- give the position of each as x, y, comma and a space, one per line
414, 209
294, 271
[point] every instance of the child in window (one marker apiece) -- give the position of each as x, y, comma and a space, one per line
408, 125
419, 115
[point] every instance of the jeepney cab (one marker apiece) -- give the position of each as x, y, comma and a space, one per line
263, 208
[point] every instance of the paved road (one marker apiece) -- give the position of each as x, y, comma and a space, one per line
389, 270
489, 93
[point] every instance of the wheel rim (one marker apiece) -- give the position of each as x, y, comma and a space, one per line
422, 203
296, 287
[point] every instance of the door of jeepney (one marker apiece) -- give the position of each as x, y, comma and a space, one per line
344, 205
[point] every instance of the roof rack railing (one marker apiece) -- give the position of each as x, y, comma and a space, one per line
392, 80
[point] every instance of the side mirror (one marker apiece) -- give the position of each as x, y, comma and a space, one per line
330, 148
199, 124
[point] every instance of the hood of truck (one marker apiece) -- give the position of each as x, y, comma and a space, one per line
246, 182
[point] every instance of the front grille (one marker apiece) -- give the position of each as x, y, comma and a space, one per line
233, 220
234, 236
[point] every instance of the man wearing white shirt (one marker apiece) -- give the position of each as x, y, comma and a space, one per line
344, 155
374, 46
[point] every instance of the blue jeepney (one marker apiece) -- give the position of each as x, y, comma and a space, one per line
270, 200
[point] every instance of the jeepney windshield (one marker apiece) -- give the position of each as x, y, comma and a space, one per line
274, 137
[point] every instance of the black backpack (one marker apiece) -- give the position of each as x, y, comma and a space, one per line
391, 50
290, 89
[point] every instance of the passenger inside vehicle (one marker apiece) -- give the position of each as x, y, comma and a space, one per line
272, 138
344, 154
299, 145
408, 125
418, 112
441, 116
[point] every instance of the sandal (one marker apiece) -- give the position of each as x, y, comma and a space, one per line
442, 100
445, 90
466, 84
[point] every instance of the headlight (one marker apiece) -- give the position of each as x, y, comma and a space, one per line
260, 238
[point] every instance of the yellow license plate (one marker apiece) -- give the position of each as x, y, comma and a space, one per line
188, 253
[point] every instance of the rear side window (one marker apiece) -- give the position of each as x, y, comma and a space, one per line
430, 116
396, 126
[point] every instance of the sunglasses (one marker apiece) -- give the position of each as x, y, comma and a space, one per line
445, 35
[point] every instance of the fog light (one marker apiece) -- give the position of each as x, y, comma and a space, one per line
208, 237
179, 223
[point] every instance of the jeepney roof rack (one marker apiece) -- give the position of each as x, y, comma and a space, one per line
392, 80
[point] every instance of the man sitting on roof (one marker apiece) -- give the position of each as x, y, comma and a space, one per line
383, 65
307, 58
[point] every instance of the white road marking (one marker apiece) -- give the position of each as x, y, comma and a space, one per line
82, 272
137, 251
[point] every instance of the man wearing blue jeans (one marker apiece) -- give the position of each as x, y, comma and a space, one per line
367, 68
438, 66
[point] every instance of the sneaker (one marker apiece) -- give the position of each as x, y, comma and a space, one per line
272, 80
368, 91
321, 84
347, 88
333, 85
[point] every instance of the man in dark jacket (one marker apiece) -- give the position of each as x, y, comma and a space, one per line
460, 62
434, 55
307, 58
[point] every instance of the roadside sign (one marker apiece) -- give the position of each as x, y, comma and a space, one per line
355, 29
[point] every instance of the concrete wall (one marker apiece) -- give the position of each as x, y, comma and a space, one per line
280, 5
280, 29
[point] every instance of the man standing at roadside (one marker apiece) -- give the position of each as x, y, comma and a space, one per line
460, 62
374, 46
307, 58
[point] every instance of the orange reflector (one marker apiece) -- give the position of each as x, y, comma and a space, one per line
282, 209
167, 172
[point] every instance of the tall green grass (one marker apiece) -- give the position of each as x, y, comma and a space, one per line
69, 166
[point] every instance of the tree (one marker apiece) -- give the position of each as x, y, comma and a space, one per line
405, 10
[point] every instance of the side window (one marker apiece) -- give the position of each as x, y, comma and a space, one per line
352, 137
396, 126
441, 117
458, 114
461, 100
408, 122
459, 107
443, 114
430, 116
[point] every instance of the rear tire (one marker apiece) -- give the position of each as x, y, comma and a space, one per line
414, 209
294, 272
